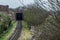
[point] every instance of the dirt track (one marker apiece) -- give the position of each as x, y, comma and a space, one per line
17, 31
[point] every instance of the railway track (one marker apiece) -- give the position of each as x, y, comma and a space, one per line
17, 31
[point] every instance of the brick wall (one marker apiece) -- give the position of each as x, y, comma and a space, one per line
4, 8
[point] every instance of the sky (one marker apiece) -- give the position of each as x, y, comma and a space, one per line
15, 3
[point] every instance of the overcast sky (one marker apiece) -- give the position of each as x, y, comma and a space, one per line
15, 3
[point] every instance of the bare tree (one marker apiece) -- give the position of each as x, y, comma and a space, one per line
50, 5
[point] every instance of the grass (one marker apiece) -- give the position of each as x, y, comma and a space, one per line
10, 31
26, 33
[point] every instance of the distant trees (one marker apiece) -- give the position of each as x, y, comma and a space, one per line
35, 16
